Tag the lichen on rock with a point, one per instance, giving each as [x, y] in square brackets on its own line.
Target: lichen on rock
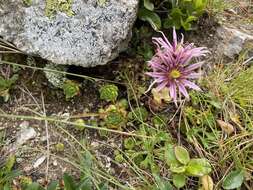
[53, 6]
[69, 32]
[54, 75]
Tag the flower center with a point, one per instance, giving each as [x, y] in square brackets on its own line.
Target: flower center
[175, 74]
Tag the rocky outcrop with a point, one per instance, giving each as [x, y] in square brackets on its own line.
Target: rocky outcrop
[93, 34]
[234, 40]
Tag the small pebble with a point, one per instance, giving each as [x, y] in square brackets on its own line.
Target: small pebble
[39, 161]
[55, 163]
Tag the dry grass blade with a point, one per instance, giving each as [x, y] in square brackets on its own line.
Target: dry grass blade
[8, 47]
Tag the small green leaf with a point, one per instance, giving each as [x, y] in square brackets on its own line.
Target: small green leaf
[34, 186]
[147, 161]
[7, 186]
[182, 155]
[175, 168]
[103, 186]
[10, 163]
[129, 143]
[85, 184]
[148, 5]
[109, 92]
[233, 180]
[179, 180]
[170, 156]
[151, 17]
[198, 167]
[52, 185]
[79, 124]
[87, 160]
[199, 4]
[162, 184]
[139, 113]
[191, 18]
[71, 89]
[69, 182]
[119, 158]
[186, 25]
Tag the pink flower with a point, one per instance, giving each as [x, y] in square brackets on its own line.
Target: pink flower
[172, 65]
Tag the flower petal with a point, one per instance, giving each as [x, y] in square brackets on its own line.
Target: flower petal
[173, 93]
[191, 85]
[193, 66]
[182, 39]
[157, 66]
[156, 74]
[183, 90]
[174, 38]
[193, 76]
[161, 86]
[161, 79]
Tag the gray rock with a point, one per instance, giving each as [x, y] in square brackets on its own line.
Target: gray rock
[39, 161]
[24, 135]
[94, 35]
[55, 78]
[234, 40]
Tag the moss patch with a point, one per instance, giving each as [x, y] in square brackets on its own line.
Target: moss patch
[53, 6]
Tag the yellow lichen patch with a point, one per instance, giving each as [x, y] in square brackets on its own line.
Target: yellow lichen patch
[53, 6]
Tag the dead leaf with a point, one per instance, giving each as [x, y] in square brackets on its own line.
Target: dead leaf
[162, 95]
[227, 127]
[207, 182]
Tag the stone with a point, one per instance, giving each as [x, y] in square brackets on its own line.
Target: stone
[57, 79]
[24, 135]
[24, 124]
[234, 40]
[39, 161]
[90, 34]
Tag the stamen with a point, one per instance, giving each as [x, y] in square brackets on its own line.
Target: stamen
[174, 74]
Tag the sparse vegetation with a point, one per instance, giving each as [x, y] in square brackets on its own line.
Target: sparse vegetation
[122, 132]
[166, 14]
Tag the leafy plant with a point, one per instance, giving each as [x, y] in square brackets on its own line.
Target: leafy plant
[240, 88]
[109, 92]
[7, 174]
[162, 184]
[145, 153]
[71, 89]
[35, 186]
[181, 166]
[184, 12]
[69, 184]
[80, 124]
[234, 179]
[180, 13]
[115, 116]
[5, 86]
[200, 119]
[139, 114]
[151, 17]
[226, 106]
[25, 181]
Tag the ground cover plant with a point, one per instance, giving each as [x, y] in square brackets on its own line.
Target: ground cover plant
[167, 114]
